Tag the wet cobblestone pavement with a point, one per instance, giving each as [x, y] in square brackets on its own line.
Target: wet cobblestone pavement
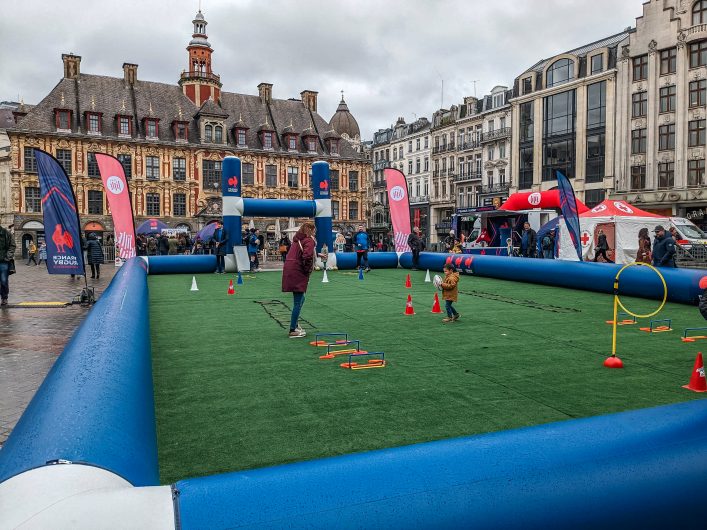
[31, 338]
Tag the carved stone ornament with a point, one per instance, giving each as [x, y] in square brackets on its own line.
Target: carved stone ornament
[681, 7]
[639, 123]
[666, 119]
[652, 45]
[668, 80]
[625, 53]
[666, 157]
[681, 40]
[638, 160]
[639, 87]
[696, 153]
[698, 74]
[698, 113]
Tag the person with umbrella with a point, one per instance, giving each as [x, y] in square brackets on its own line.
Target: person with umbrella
[220, 239]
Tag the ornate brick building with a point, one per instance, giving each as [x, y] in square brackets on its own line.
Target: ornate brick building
[171, 139]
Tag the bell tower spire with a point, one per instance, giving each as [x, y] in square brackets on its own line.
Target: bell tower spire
[198, 81]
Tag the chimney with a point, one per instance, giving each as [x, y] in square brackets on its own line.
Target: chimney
[72, 65]
[130, 73]
[309, 98]
[265, 92]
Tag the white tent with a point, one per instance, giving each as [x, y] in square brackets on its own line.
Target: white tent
[620, 222]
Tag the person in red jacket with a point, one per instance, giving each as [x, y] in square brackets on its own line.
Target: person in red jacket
[295, 274]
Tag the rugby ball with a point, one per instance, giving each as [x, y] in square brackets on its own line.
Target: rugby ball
[437, 281]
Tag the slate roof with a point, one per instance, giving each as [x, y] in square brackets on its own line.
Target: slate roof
[112, 95]
[607, 42]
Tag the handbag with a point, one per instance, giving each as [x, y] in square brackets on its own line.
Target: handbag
[283, 249]
[11, 269]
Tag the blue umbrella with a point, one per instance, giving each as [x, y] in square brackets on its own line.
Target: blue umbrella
[151, 226]
[206, 233]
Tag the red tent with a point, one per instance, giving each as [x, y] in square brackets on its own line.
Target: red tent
[537, 199]
[610, 208]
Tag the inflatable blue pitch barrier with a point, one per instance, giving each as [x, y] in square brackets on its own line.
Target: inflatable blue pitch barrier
[645, 468]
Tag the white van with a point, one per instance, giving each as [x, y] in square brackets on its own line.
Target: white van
[689, 233]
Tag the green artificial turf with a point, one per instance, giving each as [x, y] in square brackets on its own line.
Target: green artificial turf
[232, 392]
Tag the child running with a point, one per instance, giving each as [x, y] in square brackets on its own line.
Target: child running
[450, 292]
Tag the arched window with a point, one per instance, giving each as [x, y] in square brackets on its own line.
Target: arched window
[208, 133]
[560, 72]
[699, 12]
[218, 134]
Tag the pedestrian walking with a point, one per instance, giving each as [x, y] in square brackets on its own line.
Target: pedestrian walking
[602, 248]
[663, 248]
[415, 244]
[7, 263]
[43, 253]
[32, 253]
[295, 274]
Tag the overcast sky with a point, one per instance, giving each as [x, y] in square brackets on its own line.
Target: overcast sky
[389, 56]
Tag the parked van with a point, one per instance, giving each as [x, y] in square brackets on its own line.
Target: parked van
[690, 234]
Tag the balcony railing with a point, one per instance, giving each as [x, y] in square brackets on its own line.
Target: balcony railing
[443, 226]
[467, 176]
[377, 184]
[192, 74]
[468, 145]
[496, 188]
[495, 135]
[379, 225]
[435, 173]
[443, 148]
[381, 164]
[420, 199]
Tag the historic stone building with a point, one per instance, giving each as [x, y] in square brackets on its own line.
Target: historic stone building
[662, 97]
[563, 119]
[442, 160]
[171, 139]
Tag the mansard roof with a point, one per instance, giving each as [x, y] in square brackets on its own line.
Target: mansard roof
[111, 96]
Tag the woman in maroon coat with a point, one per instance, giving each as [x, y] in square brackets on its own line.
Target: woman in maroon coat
[295, 275]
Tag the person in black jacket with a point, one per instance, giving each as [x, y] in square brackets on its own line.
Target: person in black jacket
[163, 244]
[663, 248]
[602, 247]
[528, 241]
[415, 244]
[94, 253]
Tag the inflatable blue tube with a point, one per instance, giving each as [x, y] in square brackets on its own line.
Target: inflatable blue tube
[278, 208]
[683, 284]
[185, 264]
[96, 404]
[639, 469]
[377, 260]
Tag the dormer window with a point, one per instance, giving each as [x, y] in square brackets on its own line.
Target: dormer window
[240, 137]
[208, 133]
[125, 125]
[527, 85]
[561, 71]
[62, 120]
[180, 131]
[292, 143]
[312, 145]
[267, 140]
[334, 147]
[218, 134]
[151, 128]
[93, 122]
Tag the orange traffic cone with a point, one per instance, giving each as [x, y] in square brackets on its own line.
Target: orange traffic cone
[408, 284]
[230, 288]
[697, 381]
[408, 306]
[435, 306]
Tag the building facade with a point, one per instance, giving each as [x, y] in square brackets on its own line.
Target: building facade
[171, 140]
[563, 119]
[443, 161]
[661, 111]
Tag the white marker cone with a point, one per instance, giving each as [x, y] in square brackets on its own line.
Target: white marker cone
[193, 284]
[427, 276]
[325, 279]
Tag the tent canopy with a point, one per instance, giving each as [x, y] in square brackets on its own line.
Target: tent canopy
[611, 208]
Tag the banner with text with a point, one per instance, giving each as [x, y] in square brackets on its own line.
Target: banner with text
[61, 220]
[399, 207]
[116, 187]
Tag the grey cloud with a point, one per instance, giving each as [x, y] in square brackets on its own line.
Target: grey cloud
[387, 55]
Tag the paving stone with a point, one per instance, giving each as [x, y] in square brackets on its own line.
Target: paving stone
[32, 338]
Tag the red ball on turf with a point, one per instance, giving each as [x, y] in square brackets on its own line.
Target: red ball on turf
[703, 282]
